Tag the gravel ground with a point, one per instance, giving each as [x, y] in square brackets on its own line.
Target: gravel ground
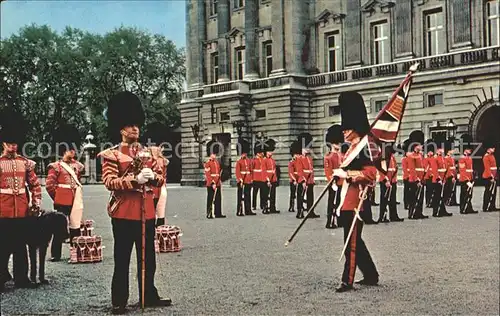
[239, 266]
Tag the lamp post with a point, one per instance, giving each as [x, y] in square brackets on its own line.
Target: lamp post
[198, 138]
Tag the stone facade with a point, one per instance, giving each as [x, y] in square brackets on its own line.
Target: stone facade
[321, 48]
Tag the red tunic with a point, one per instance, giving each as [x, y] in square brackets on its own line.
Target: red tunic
[15, 173]
[404, 166]
[490, 166]
[259, 171]
[162, 164]
[244, 170]
[271, 169]
[427, 167]
[212, 172]
[392, 172]
[450, 165]
[331, 162]
[415, 167]
[441, 169]
[122, 183]
[359, 178]
[292, 170]
[306, 169]
[60, 185]
[465, 168]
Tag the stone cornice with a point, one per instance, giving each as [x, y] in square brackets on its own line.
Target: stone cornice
[326, 15]
[383, 5]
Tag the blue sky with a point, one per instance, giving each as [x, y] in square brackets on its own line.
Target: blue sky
[166, 17]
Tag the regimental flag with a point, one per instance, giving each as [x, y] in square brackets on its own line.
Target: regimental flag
[385, 128]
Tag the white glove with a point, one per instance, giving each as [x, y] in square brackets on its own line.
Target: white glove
[145, 175]
[340, 173]
[469, 184]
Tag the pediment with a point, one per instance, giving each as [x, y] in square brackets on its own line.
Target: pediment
[372, 5]
[235, 31]
[327, 15]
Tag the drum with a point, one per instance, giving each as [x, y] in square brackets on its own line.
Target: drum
[87, 227]
[167, 239]
[86, 249]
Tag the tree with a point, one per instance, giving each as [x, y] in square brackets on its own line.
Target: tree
[69, 77]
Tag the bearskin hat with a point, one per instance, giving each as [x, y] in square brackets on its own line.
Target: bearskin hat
[334, 135]
[66, 137]
[270, 145]
[124, 109]
[243, 147]
[13, 127]
[353, 113]
[295, 148]
[214, 147]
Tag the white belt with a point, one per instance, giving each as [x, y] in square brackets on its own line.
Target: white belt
[245, 172]
[65, 186]
[419, 169]
[295, 173]
[391, 169]
[441, 170]
[469, 170]
[270, 171]
[214, 174]
[493, 168]
[452, 168]
[307, 171]
[258, 170]
[12, 192]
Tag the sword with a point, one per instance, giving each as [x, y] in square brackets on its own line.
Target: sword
[469, 195]
[493, 185]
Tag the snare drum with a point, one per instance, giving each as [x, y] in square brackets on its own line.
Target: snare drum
[168, 239]
[86, 249]
[87, 227]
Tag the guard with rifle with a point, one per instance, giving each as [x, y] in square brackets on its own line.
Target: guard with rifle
[213, 182]
[388, 192]
[293, 174]
[244, 179]
[332, 161]
[429, 188]
[360, 174]
[417, 171]
[272, 178]
[259, 174]
[129, 171]
[306, 177]
[466, 176]
[438, 178]
[490, 174]
[406, 176]
[451, 181]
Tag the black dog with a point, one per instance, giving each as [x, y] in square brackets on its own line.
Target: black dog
[40, 230]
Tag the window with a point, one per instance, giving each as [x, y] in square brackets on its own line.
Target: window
[434, 99]
[213, 7]
[333, 51]
[237, 4]
[333, 110]
[379, 105]
[493, 23]
[240, 63]
[213, 113]
[224, 116]
[260, 114]
[434, 33]
[215, 67]
[380, 43]
[268, 61]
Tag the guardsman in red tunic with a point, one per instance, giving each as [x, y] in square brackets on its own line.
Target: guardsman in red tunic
[63, 184]
[244, 180]
[451, 174]
[17, 177]
[388, 192]
[259, 173]
[332, 161]
[490, 174]
[438, 178]
[129, 171]
[272, 179]
[359, 174]
[213, 181]
[466, 177]
[306, 180]
[293, 174]
[406, 183]
[416, 173]
[428, 178]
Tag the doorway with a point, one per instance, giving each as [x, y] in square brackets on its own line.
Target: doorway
[225, 155]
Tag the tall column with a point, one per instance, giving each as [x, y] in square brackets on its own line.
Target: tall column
[297, 43]
[251, 45]
[277, 32]
[223, 23]
[353, 33]
[404, 38]
[195, 35]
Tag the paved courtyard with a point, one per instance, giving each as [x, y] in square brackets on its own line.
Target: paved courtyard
[239, 265]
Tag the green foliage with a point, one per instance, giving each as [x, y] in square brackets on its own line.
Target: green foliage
[69, 77]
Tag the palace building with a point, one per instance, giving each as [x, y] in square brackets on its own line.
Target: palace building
[274, 68]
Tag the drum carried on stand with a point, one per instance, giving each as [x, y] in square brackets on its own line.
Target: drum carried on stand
[86, 247]
[167, 239]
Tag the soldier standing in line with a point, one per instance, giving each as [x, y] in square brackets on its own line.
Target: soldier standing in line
[438, 178]
[490, 176]
[17, 177]
[259, 174]
[272, 179]
[63, 181]
[244, 179]
[428, 178]
[466, 176]
[129, 171]
[306, 180]
[406, 175]
[293, 174]
[416, 173]
[332, 161]
[451, 174]
[388, 192]
[213, 181]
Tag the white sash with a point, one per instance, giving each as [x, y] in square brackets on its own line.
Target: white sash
[343, 193]
[75, 217]
[162, 202]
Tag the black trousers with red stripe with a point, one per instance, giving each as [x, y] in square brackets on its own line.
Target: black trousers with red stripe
[356, 254]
